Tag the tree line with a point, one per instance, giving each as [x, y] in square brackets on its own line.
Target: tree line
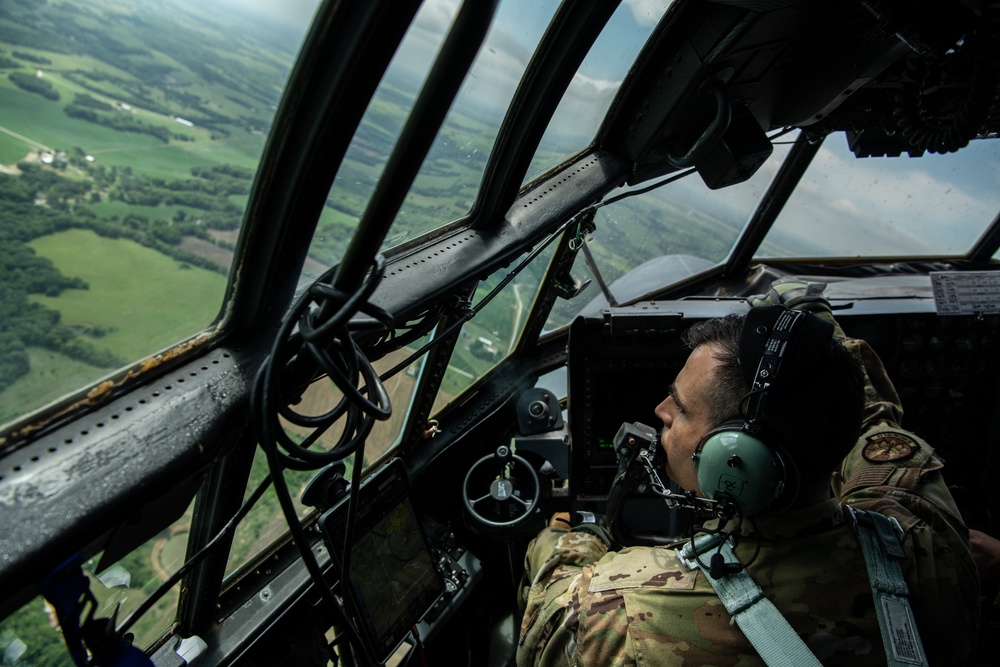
[24, 323]
[89, 109]
[39, 201]
[34, 84]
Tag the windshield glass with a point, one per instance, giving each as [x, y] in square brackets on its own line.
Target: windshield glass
[491, 336]
[129, 137]
[932, 206]
[588, 97]
[654, 239]
[448, 182]
[449, 178]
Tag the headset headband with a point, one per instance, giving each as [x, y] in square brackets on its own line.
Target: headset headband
[775, 348]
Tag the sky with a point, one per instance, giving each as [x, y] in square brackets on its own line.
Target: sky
[926, 205]
[517, 27]
[935, 204]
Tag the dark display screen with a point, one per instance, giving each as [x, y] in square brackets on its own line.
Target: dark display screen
[619, 394]
[620, 366]
[393, 580]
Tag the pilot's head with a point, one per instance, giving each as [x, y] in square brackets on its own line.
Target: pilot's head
[810, 415]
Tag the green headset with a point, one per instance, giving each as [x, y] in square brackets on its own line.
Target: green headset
[740, 458]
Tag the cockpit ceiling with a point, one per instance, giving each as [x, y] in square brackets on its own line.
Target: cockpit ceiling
[898, 77]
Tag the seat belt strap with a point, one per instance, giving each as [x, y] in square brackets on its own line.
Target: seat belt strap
[771, 634]
[880, 537]
[756, 616]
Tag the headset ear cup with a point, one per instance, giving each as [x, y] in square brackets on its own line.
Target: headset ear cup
[736, 463]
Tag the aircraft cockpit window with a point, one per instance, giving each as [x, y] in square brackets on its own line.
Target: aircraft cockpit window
[582, 109]
[930, 206]
[449, 179]
[375, 137]
[265, 524]
[645, 243]
[31, 635]
[129, 138]
[492, 335]
[448, 182]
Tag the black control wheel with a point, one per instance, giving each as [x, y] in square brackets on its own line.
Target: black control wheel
[501, 490]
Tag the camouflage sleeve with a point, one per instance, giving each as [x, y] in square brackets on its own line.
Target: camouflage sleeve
[887, 457]
[555, 558]
[885, 454]
[882, 404]
[895, 472]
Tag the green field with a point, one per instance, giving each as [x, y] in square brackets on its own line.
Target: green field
[42, 121]
[159, 303]
[173, 160]
[148, 300]
[52, 376]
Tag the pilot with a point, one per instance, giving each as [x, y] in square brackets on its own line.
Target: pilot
[830, 418]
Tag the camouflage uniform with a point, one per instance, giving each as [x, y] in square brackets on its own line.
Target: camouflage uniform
[590, 606]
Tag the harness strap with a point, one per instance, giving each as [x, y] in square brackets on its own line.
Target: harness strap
[879, 536]
[770, 633]
[755, 615]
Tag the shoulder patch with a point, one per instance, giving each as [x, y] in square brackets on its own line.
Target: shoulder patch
[889, 446]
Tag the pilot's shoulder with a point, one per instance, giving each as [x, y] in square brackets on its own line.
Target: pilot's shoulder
[641, 567]
[886, 455]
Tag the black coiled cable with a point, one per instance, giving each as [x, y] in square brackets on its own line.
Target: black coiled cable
[315, 336]
[322, 341]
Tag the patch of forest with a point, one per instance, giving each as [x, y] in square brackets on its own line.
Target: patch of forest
[40, 201]
[7, 62]
[34, 84]
[128, 91]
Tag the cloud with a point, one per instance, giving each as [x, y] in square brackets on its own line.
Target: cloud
[832, 214]
[581, 110]
[931, 205]
[647, 12]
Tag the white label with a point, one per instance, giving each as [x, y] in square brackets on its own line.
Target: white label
[902, 634]
[966, 292]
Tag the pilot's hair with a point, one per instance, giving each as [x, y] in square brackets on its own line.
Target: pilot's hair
[814, 411]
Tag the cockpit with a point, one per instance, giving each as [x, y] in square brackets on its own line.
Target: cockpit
[312, 313]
